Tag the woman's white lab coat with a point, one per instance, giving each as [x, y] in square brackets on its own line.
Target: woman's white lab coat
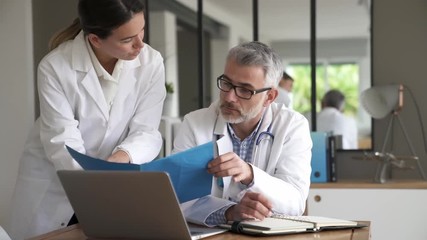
[74, 112]
[281, 169]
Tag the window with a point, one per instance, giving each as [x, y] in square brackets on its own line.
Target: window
[342, 76]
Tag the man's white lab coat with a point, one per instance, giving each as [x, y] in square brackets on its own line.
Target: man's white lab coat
[281, 168]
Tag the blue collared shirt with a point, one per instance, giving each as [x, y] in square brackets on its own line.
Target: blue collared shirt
[243, 148]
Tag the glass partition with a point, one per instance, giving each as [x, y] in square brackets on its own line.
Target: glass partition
[343, 57]
[343, 52]
[285, 26]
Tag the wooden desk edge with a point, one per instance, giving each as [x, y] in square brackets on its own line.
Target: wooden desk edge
[56, 232]
[76, 232]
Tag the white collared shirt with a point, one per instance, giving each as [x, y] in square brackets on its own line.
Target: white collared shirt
[109, 83]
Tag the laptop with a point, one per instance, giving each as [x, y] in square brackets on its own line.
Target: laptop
[128, 204]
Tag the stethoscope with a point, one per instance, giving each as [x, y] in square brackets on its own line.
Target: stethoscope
[266, 135]
[263, 144]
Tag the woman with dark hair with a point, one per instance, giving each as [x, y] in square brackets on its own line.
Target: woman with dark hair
[101, 91]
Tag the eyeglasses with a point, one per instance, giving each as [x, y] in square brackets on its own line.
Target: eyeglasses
[241, 92]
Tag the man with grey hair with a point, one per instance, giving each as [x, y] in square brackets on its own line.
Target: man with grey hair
[262, 162]
[332, 119]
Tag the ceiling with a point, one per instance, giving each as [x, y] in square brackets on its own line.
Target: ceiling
[290, 19]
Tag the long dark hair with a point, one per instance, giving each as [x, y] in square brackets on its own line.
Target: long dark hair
[99, 17]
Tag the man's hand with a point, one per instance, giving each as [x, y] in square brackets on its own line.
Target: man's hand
[251, 206]
[230, 164]
[119, 157]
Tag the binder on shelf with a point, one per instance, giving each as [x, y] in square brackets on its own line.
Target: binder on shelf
[323, 159]
[331, 161]
[319, 157]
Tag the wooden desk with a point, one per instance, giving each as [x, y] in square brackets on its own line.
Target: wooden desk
[74, 232]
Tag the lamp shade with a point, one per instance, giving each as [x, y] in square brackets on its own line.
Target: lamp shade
[379, 101]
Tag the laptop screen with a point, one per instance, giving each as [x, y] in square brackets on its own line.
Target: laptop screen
[125, 204]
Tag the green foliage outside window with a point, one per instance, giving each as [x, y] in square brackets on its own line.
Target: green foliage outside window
[343, 77]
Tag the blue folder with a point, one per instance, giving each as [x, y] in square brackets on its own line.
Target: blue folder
[187, 169]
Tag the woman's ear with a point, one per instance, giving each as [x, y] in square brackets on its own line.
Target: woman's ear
[94, 40]
[271, 96]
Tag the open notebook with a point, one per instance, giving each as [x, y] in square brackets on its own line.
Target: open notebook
[280, 224]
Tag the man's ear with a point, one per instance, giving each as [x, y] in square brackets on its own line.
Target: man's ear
[94, 40]
[271, 96]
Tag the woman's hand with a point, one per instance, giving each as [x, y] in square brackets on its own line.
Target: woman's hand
[119, 157]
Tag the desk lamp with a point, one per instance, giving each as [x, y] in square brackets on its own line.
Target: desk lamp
[381, 102]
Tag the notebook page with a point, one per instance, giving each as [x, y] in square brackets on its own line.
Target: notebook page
[319, 221]
[276, 224]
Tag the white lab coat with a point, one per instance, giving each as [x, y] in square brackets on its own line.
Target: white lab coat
[282, 175]
[332, 120]
[284, 97]
[74, 112]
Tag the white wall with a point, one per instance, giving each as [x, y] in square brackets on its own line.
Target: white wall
[400, 56]
[22, 40]
[163, 38]
[16, 92]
